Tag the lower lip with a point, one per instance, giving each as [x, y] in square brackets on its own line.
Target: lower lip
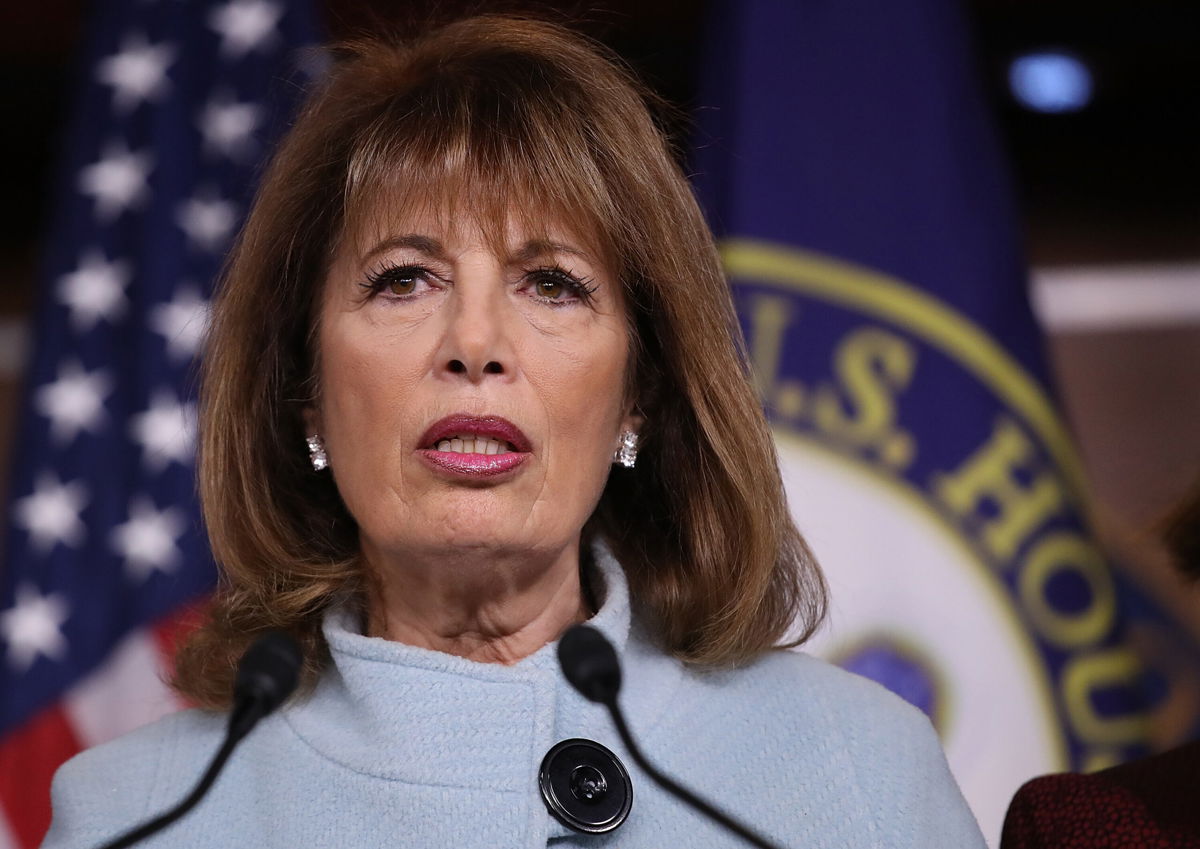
[473, 465]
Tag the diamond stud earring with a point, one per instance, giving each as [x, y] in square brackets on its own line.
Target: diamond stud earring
[316, 452]
[626, 453]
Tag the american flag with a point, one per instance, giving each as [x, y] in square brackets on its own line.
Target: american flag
[177, 103]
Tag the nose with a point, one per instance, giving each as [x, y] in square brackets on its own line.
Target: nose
[476, 340]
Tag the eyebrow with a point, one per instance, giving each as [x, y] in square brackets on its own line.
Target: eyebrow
[535, 248]
[430, 246]
[425, 244]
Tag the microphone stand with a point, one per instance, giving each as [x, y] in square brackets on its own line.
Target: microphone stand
[590, 664]
[676, 789]
[165, 819]
[266, 676]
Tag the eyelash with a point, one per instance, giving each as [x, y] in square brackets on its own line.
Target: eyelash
[582, 288]
[380, 278]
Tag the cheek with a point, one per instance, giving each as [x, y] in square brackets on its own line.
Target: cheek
[368, 381]
[582, 389]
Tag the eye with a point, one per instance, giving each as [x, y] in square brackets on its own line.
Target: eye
[550, 287]
[558, 286]
[398, 280]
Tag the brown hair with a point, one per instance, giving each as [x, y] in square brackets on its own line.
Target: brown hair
[489, 112]
[1181, 532]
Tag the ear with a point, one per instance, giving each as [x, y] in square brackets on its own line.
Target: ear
[312, 420]
[633, 421]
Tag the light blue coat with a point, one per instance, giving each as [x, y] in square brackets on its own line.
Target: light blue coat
[405, 747]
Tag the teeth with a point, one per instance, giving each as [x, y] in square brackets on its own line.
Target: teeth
[471, 444]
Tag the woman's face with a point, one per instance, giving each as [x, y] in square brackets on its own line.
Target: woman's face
[469, 399]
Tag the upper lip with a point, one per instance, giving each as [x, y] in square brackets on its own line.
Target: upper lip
[492, 427]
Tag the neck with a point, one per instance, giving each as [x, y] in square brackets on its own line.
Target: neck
[488, 606]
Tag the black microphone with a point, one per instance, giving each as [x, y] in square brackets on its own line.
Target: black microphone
[590, 664]
[266, 676]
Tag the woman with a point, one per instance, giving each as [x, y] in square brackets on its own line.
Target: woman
[1149, 802]
[473, 281]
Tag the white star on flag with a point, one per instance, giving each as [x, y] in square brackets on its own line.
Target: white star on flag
[51, 513]
[147, 540]
[117, 181]
[245, 25]
[182, 322]
[74, 401]
[207, 223]
[166, 431]
[228, 127]
[95, 290]
[33, 627]
[137, 73]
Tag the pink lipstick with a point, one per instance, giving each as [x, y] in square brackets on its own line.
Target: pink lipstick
[474, 446]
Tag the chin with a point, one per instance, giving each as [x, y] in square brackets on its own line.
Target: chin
[472, 534]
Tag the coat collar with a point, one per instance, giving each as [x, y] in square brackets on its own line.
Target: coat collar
[408, 714]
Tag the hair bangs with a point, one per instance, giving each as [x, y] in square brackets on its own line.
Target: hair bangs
[463, 149]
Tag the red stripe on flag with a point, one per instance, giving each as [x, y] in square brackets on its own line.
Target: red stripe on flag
[170, 631]
[28, 758]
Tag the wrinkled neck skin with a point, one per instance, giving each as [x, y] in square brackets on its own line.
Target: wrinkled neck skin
[489, 606]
